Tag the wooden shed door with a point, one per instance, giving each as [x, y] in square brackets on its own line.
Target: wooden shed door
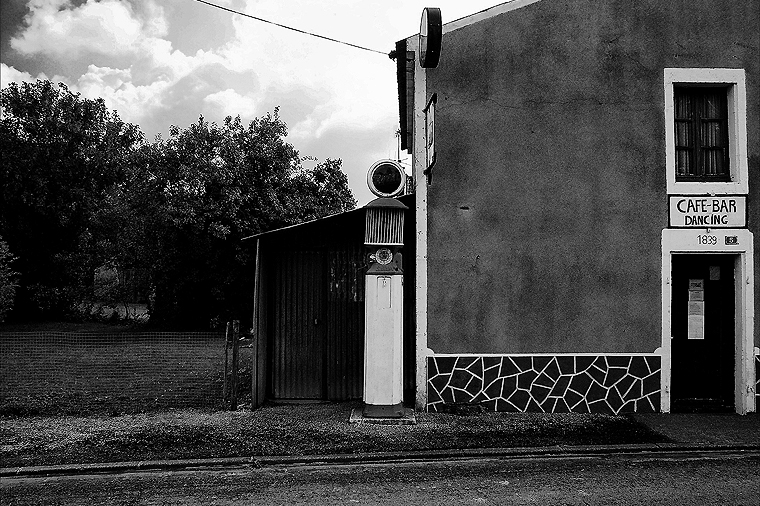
[702, 352]
[299, 327]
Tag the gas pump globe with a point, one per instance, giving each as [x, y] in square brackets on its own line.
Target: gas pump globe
[384, 304]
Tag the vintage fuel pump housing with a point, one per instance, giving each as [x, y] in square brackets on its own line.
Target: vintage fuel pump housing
[384, 309]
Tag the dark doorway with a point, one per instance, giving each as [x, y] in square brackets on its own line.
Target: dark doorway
[702, 325]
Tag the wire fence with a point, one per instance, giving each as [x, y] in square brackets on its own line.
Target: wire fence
[90, 372]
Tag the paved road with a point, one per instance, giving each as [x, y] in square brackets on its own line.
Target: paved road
[722, 479]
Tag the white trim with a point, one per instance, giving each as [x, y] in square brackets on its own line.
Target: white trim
[485, 14]
[419, 162]
[476, 355]
[685, 241]
[737, 129]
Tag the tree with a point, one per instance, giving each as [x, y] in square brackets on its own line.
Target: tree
[61, 156]
[82, 190]
[317, 192]
[187, 202]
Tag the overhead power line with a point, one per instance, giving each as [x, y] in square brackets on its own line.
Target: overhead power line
[291, 28]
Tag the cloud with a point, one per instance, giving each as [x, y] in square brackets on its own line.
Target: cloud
[117, 88]
[341, 85]
[165, 63]
[109, 33]
[357, 147]
[229, 103]
[109, 27]
[129, 62]
[11, 75]
[198, 27]
[104, 78]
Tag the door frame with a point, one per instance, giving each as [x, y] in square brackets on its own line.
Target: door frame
[678, 241]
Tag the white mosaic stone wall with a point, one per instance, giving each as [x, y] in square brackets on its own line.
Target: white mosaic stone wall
[757, 383]
[546, 383]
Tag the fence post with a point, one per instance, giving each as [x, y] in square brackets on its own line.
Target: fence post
[235, 356]
[226, 359]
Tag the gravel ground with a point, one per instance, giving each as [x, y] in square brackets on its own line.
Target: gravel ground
[705, 428]
[293, 430]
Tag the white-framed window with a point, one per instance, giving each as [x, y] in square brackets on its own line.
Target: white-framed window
[706, 131]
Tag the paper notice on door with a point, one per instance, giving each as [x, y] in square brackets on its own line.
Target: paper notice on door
[696, 328]
[696, 284]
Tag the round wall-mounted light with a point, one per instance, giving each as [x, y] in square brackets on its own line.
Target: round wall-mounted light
[386, 178]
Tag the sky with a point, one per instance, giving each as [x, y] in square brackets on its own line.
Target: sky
[166, 62]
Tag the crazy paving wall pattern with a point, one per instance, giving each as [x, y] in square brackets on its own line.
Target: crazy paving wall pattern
[757, 383]
[546, 383]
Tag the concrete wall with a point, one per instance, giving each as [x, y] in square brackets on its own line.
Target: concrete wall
[548, 197]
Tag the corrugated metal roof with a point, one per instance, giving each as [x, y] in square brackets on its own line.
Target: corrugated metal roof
[324, 221]
[317, 221]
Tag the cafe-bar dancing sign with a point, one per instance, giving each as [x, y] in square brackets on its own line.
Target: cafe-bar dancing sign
[704, 211]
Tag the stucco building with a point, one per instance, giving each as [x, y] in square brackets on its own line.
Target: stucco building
[587, 207]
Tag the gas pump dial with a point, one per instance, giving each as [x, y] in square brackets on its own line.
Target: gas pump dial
[383, 256]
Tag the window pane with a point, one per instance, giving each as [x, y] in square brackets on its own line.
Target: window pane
[684, 107]
[683, 158]
[713, 162]
[712, 134]
[683, 134]
[713, 104]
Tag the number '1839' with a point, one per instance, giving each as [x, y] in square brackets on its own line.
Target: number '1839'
[707, 239]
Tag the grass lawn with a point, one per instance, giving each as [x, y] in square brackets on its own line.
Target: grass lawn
[54, 372]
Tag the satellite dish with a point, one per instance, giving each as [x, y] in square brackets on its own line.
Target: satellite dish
[431, 31]
[386, 178]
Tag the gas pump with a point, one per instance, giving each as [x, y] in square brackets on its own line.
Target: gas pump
[384, 294]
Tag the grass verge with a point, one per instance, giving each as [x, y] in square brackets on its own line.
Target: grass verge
[293, 430]
[88, 373]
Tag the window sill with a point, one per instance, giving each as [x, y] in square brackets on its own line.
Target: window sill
[707, 187]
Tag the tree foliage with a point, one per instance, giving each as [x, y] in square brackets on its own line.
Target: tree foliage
[189, 200]
[82, 190]
[8, 280]
[61, 154]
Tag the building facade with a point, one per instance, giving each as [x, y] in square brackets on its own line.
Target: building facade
[587, 207]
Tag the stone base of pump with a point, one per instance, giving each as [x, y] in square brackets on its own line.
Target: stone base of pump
[383, 415]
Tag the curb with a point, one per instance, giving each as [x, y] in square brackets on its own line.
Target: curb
[379, 457]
